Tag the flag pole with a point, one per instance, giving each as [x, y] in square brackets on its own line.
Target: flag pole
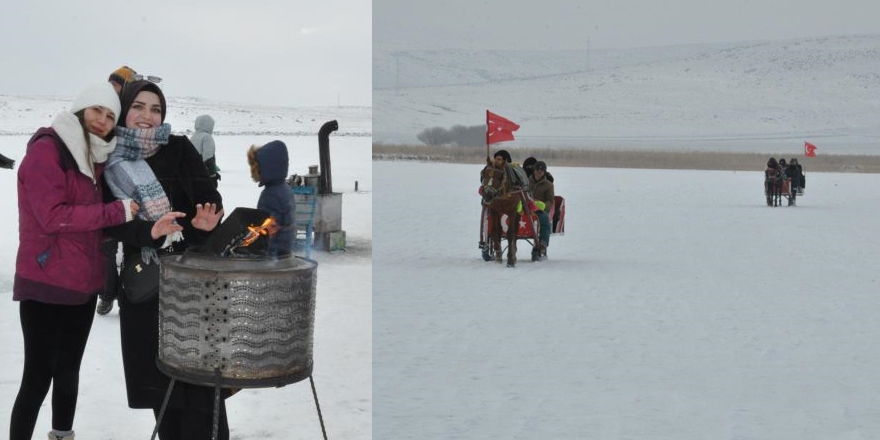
[487, 136]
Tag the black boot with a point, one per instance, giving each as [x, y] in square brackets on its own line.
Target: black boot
[104, 307]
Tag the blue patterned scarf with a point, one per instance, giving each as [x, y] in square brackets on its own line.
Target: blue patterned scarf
[130, 177]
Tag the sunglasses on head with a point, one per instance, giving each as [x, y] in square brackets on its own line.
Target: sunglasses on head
[151, 78]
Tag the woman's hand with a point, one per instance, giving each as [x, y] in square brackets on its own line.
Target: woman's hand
[166, 225]
[134, 209]
[206, 217]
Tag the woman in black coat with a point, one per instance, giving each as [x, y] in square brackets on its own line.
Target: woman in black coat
[183, 183]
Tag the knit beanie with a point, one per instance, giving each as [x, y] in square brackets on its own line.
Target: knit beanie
[130, 92]
[122, 75]
[99, 94]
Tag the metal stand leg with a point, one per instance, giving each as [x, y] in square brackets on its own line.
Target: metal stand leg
[318, 406]
[216, 402]
[162, 409]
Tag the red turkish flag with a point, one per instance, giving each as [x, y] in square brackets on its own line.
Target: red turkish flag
[500, 129]
[809, 149]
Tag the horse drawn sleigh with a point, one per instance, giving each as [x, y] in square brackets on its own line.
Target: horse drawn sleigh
[505, 202]
[775, 191]
[783, 182]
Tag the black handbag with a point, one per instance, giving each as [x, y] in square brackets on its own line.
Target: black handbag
[140, 281]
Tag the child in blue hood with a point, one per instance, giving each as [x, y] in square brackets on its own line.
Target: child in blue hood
[269, 168]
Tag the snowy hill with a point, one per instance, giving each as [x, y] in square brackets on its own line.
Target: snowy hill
[21, 115]
[752, 96]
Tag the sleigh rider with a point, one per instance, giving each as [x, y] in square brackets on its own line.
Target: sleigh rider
[514, 175]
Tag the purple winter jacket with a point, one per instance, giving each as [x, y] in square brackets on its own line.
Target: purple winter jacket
[60, 217]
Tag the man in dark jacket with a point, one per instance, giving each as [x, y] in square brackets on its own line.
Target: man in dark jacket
[544, 196]
[529, 165]
[771, 182]
[500, 160]
[793, 173]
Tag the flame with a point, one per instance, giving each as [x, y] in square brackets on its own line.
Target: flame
[269, 227]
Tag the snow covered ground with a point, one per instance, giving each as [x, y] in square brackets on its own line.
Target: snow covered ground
[677, 306]
[343, 339]
[20, 113]
[740, 96]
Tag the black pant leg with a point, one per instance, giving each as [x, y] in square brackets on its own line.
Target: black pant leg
[76, 326]
[40, 330]
[111, 271]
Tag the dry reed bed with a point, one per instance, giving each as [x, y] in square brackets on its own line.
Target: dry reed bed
[683, 160]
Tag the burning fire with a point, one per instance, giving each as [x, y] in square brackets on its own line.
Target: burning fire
[269, 227]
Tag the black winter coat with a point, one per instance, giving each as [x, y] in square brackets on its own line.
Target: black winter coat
[183, 176]
[794, 174]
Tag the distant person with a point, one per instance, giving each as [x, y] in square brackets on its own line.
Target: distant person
[121, 76]
[544, 197]
[269, 165]
[203, 140]
[499, 160]
[794, 174]
[58, 268]
[772, 181]
[803, 180]
[529, 165]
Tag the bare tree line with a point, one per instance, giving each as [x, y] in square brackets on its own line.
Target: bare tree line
[691, 160]
[458, 135]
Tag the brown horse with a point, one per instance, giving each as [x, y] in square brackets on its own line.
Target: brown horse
[501, 197]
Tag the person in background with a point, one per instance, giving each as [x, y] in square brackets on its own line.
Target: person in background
[203, 140]
[803, 179]
[529, 165]
[794, 174]
[162, 171]
[109, 246]
[58, 268]
[772, 181]
[544, 197]
[121, 76]
[501, 158]
[268, 166]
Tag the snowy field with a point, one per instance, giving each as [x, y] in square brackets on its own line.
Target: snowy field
[677, 306]
[748, 96]
[19, 114]
[343, 339]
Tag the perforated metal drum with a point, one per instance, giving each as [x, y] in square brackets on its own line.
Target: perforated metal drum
[239, 322]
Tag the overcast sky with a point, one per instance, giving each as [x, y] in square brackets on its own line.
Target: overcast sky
[568, 24]
[275, 52]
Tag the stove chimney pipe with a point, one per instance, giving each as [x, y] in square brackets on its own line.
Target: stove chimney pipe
[326, 182]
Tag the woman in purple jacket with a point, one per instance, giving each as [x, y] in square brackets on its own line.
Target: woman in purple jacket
[59, 268]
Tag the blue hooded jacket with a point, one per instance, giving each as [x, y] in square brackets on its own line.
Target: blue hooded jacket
[276, 198]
